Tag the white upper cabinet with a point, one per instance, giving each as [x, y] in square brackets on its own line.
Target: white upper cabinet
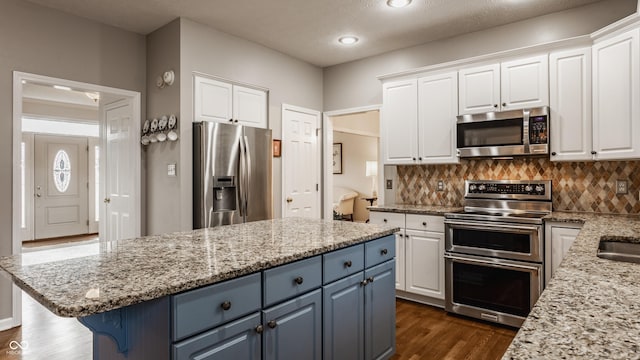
[524, 83]
[213, 100]
[418, 120]
[510, 85]
[437, 110]
[250, 106]
[223, 102]
[479, 89]
[400, 122]
[570, 104]
[616, 97]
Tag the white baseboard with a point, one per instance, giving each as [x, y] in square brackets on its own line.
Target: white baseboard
[6, 324]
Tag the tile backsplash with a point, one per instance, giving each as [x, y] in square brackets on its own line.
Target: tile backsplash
[576, 186]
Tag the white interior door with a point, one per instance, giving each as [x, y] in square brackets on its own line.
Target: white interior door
[301, 162]
[119, 178]
[27, 195]
[60, 186]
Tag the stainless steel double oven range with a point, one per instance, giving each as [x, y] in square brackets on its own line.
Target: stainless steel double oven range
[494, 250]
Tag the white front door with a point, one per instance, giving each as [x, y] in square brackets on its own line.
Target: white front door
[60, 186]
[301, 163]
[119, 207]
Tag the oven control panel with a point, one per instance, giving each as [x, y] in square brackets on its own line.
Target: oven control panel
[515, 188]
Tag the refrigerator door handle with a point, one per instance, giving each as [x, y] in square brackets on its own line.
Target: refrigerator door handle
[248, 174]
[241, 176]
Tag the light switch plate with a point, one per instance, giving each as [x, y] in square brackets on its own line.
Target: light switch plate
[389, 184]
[440, 185]
[171, 170]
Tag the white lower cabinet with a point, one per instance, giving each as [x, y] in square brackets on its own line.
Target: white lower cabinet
[425, 263]
[419, 252]
[559, 237]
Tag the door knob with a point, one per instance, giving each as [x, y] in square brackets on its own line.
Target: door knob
[289, 199]
[38, 195]
[107, 200]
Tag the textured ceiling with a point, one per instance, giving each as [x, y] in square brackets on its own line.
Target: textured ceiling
[308, 29]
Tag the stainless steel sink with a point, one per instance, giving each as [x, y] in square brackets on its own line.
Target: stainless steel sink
[617, 250]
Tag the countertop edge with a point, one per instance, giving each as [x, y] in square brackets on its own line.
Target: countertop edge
[132, 299]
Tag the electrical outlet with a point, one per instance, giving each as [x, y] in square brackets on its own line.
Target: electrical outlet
[389, 184]
[621, 187]
[440, 185]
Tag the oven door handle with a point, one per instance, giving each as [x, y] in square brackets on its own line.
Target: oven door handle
[474, 226]
[490, 263]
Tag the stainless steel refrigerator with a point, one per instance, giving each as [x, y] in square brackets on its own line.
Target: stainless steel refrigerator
[231, 174]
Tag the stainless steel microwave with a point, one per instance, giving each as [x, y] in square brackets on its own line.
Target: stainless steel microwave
[504, 133]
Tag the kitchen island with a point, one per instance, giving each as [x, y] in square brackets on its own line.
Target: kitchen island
[591, 307]
[156, 296]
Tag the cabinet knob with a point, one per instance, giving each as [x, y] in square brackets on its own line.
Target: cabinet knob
[230, 120]
[420, 158]
[236, 120]
[289, 199]
[298, 280]
[348, 263]
[384, 220]
[259, 329]
[414, 159]
[364, 282]
[593, 152]
[383, 252]
[400, 235]
[226, 305]
[424, 223]
[370, 279]
[504, 104]
[495, 106]
[272, 324]
[553, 153]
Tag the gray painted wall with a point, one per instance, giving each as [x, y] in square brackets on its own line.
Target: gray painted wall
[209, 51]
[355, 83]
[163, 53]
[47, 42]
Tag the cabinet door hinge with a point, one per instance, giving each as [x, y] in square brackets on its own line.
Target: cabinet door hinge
[317, 187]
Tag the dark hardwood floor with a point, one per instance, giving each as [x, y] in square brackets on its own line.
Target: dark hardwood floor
[44, 335]
[425, 332]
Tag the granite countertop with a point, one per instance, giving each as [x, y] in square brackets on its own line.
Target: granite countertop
[591, 307]
[416, 209]
[127, 272]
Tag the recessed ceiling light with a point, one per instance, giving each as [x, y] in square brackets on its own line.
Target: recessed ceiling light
[398, 3]
[348, 40]
[59, 87]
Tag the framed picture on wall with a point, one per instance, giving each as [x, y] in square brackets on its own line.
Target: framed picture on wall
[277, 148]
[337, 158]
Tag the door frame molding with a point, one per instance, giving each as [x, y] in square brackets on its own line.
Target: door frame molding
[18, 77]
[327, 155]
[317, 114]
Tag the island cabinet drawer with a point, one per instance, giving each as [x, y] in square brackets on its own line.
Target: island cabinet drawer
[386, 218]
[197, 310]
[287, 281]
[235, 340]
[342, 263]
[379, 251]
[425, 222]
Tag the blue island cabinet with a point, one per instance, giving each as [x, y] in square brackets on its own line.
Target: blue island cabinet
[359, 310]
[339, 305]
